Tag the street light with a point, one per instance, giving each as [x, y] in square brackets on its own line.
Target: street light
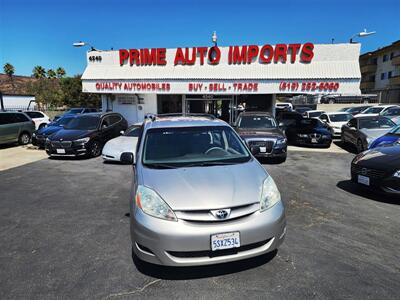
[214, 38]
[362, 34]
[82, 44]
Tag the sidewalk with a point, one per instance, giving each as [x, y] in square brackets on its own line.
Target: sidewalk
[15, 156]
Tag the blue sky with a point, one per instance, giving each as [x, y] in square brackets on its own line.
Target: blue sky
[41, 32]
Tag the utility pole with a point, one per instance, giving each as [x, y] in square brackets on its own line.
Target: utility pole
[1, 101]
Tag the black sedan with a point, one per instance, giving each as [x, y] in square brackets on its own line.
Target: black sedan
[378, 169]
[86, 134]
[262, 135]
[309, 132]
[39, 137]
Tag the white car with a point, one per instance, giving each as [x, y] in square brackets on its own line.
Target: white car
[40, 118]
[313, 113]
[113, 149]
[336, 120]
[377, 110]
[284, 105]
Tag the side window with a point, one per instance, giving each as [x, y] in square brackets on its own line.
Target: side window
[19, 118]
[352, 123]
[233, 143]
[34, 114]
[105, 122]
[324, 118]
[6, 119]
[385, 123]
[114, 119]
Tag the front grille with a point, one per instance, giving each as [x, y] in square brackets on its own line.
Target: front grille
[315, 135]
[209, 253]
[205, 216]
[63, 144]
[372, 173]
[255, 145]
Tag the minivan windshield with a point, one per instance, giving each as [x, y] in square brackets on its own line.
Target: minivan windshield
[83, 123]
[193, 146]
[259, 122]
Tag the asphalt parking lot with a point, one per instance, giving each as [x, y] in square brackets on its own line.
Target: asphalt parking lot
[64, 233]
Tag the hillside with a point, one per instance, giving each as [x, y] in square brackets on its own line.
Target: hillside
[18, 84]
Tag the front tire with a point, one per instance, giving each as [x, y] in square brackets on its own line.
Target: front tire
[95, 149]
[24, 138]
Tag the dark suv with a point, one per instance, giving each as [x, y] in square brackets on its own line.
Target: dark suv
[86, 134]
[262, 135]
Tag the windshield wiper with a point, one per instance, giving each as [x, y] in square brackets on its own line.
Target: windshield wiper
[209, 163]
[160, 166]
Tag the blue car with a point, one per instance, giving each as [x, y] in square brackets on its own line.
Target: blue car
[39, 136]
[391, 137]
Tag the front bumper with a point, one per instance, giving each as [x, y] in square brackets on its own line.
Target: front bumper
[321, 142]
[187, 243]
[38, 141]
[387, 184]
[276, 153]
[70, 148]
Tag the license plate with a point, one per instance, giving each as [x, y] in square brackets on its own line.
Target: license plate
[313, 140]
[363, 180]
[223, 241]
[263, 149]
[60, 151]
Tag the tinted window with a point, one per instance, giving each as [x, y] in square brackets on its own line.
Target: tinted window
[21, 118]
[340, 117]
[257, 122]
[64, 120]
[324, 118]
[373, 110]
[83, 123]
[132, 131]
[393, 111]
[34, 114]
[314, 114]
[352, 123]
[185, 146]
[74, 111]
[6, 119]
[114, 119]
[313, 123]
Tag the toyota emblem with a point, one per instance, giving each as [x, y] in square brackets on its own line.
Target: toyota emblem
[221, 214]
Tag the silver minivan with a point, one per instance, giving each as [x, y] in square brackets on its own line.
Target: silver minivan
[198, 195]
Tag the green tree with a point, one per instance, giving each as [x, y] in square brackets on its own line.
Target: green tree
[73, 95]
[60, 72]
[47, 92]
[9, 70]
[51, 74]
[39, 72]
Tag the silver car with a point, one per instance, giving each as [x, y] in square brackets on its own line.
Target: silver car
[198, 195]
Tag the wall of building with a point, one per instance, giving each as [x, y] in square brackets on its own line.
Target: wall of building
[384, 67]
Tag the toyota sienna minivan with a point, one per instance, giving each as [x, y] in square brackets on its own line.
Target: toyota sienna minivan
[199, 197]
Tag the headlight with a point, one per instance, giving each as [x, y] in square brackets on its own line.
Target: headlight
[302, 135]
[152, 204]
[270, 194]
[397, 174]
[84, 140]
[326, 136]
[281, 141]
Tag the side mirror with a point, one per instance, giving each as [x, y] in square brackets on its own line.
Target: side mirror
[127, 158]
[122, 132]
[281, 124]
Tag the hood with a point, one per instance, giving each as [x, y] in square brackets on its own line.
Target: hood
[366, 115]
[122, 144]
[70, 135]
[203, 188]
[386, 157]
[48, 130]
[375, 132]
[270, 132]
[337, 124]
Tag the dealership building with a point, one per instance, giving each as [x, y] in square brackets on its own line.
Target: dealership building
[217, 80]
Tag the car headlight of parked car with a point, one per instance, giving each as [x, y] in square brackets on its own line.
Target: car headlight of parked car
[302, 135]
[281, 141]
[270, 194]
[152, 204]
[397, 174]
[326, 136]
[82, 141]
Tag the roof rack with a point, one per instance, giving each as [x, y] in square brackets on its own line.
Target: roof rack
[153, 117]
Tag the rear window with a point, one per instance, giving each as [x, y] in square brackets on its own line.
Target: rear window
[34, 114]
[315, 114]
[376, 123]
[20, 118]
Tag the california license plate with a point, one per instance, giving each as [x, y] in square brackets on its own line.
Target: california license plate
[60, 151]
[223, 241]
[263, 149]
[314, 141]
[363, 180]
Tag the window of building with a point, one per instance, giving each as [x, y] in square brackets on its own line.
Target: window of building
[390, 74]
[383, 76]
[385, 58]
[391, 55]
[375, 61]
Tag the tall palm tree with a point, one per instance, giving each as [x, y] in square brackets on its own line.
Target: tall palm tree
[9, 70]
[51, 74]
[60, 72]
[38, 72]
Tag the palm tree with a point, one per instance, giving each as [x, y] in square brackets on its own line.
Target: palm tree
[9, 70]
[60, 72]
[51, 74]
[38, 72]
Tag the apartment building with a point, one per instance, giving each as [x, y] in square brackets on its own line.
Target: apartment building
[380, 73]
